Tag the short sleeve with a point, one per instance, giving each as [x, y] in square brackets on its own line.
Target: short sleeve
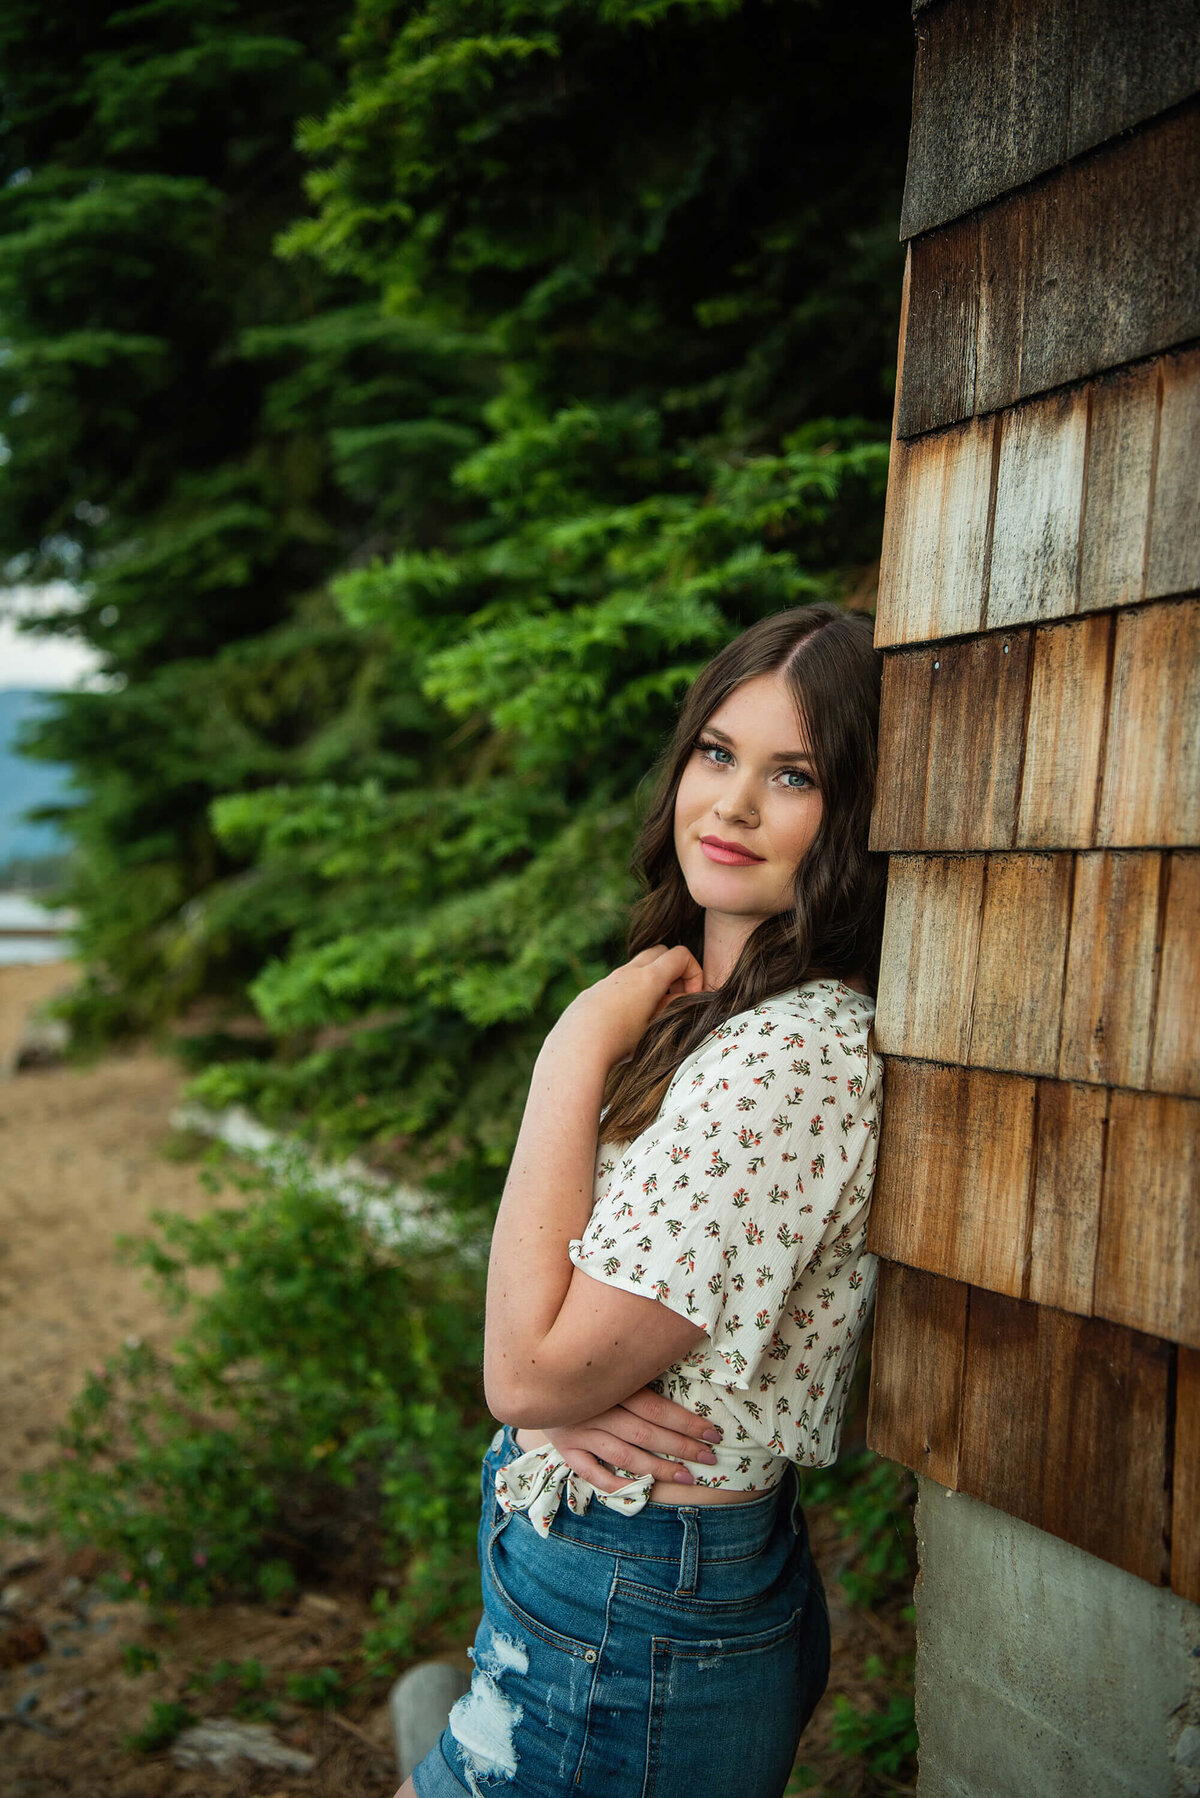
[726, 1200]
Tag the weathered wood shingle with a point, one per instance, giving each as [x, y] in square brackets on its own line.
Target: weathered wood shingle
[1093, 267]
[1004, 91]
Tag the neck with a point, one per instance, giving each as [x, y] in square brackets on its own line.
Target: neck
[724, 939]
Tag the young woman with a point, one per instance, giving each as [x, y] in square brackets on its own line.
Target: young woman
[687, 1205]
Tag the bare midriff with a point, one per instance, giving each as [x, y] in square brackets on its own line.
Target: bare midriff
[663, 1492]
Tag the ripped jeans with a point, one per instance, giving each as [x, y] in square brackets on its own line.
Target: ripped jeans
[677, 1653]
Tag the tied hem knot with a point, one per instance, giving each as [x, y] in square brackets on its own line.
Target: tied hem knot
[537, 1481]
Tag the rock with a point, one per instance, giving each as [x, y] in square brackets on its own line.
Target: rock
[420, 1703]
[1187, 1748]
[44, 1042]
[220, 1741]
[21, 1643]
[317, 1602]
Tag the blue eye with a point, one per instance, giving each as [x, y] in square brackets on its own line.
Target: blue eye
[796, 774]
[714, 751]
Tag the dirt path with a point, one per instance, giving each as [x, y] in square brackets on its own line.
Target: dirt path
[81, 1161]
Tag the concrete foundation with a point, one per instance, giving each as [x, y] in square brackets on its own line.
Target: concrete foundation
[1043, 1672]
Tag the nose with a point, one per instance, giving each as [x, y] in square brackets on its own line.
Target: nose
[735, 805]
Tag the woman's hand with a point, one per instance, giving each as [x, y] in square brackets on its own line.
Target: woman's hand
[633, 1436]
[611, 1017]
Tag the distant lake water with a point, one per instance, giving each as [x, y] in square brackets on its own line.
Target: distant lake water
[32, 932]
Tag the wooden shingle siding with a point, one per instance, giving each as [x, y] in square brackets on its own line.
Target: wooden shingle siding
[965, 1214]
[930, 956]
[1078, 274]
[936, 534]
[1075, 735]
[1003, 92]
[1123, 428]
[1107, 1011]
[1173, 554]
[1148, 1251]
[1064, 734]
[977, 695]
[1063, 1421]
[1039, 499]
[1175, 1058]
[1068, 1194]
[1077, 532]
[1150, 784]
[919, 1344]
[1023, 935]
[1072, 1130]
[1076, 967]
[1036, 1208]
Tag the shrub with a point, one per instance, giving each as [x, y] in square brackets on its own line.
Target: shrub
[321, 1409]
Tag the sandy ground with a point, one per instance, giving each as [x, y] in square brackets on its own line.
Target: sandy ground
[81, 1161]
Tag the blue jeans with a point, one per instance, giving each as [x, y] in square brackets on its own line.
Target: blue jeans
[677, 1653]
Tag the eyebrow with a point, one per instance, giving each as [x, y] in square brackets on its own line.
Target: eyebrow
[781, 755]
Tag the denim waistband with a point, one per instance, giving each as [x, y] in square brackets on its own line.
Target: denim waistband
[721, 1532]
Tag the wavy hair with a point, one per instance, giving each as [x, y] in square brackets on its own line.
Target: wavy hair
[835, 922]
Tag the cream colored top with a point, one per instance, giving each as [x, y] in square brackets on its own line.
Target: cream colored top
[744, 1208]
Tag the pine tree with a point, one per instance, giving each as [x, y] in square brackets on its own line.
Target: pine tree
[196, 436]
[677, 224]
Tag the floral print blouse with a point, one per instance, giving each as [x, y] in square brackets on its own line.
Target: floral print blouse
[744, 1208]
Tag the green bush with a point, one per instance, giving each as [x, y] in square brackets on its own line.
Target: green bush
[321, 1410]
[164, 1723]
[871, 1501]
[885, 1741]
[323, 1689]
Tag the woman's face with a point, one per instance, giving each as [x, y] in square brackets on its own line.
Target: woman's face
[748, 806]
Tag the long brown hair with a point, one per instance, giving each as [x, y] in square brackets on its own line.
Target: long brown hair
[835, 922]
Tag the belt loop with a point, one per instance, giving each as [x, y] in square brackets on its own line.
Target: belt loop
[797, 1507]
[689, 1554]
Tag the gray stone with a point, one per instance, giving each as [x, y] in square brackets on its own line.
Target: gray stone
[1187, 1748]
[44, 1042]
[420, 1703]
[219, 1742]
[1042, 1670]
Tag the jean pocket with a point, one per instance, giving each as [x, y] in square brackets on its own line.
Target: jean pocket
[531, 1580]
[726, 1714]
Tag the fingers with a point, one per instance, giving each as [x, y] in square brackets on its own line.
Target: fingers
[655, 1439]
[691, 980]
[587, 1466]
[633, 1461]
[673, 964]
[679, 964]
[654, 1409]
[621, 1432]
[679, 972]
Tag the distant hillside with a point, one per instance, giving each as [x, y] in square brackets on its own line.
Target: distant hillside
[24, 783]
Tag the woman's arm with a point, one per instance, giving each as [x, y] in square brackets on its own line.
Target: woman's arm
[559, 1346]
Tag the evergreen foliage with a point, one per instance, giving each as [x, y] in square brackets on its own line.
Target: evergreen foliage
[188, 439]
[402, 542]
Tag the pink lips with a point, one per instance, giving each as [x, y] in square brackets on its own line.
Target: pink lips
[732, 855]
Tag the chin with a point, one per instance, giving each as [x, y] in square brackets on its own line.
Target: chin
[711, 892]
